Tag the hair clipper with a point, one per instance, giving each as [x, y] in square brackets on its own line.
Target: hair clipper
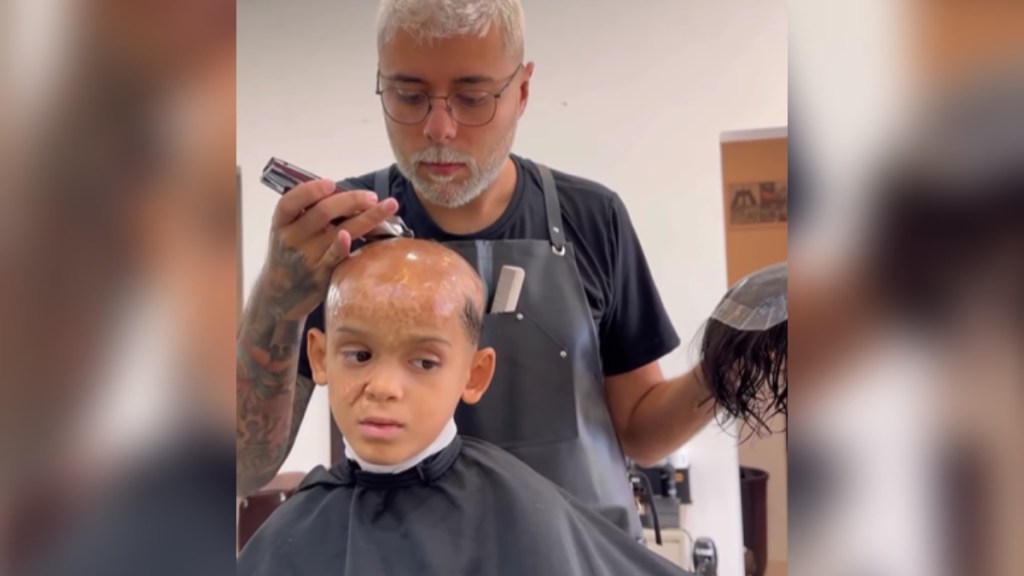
[282, 176]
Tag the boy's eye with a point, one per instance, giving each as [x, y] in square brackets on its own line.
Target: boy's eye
[424, 364]
[357, 356]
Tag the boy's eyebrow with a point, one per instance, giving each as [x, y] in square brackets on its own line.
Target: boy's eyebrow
[421, 338]
[350, 330]
[431, 339]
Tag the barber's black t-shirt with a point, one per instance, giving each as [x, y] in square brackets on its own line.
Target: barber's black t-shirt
[631, 321]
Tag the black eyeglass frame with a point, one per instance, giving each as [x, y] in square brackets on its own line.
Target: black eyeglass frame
[447, 103]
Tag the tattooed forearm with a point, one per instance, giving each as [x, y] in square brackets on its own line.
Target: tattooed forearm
[270, 400]
[267, 362]
[288, 283]
[264, 406]
[303, 392]
[259, 456]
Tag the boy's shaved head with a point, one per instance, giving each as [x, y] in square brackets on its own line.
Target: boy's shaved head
[401, 346]
[403, 272]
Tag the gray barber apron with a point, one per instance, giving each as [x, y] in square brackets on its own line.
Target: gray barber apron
[546, 403]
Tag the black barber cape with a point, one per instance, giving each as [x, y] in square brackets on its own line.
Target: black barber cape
[471, 509]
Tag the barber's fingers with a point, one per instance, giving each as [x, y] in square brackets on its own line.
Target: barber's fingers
[339, 249]
[298, 200]
[359, 226]
[353, 228]
[340, 205]
[316, 246]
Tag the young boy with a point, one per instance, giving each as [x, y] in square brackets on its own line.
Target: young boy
[401, 349]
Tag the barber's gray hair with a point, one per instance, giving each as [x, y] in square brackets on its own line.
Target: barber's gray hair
[428, 20]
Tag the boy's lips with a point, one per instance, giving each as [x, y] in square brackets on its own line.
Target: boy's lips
[380, 428]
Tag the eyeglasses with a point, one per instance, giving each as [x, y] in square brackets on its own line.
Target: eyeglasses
[467, 107]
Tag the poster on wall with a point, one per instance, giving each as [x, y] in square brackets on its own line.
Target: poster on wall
[758, 203]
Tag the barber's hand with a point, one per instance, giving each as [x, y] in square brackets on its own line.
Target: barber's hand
[305, 247]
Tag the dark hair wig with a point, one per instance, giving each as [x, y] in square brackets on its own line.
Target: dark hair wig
[745, 372]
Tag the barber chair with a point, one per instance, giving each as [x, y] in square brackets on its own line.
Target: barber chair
[253, 510]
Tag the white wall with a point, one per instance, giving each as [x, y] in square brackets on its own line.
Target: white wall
[635, 97]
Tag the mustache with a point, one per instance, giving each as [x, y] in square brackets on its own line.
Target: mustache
[442, 155]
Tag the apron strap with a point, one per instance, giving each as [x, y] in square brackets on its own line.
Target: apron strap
[382, 183]
[555, 230]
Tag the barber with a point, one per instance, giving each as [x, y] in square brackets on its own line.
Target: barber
[578, 386]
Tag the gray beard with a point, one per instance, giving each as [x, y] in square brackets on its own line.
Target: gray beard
[440, 190]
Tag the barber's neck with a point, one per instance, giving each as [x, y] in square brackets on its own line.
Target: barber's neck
[483, 211]
[442, 441]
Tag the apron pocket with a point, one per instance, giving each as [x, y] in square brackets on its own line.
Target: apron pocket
[532, 398]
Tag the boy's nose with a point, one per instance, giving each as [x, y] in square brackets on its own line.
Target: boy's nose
[384, 386]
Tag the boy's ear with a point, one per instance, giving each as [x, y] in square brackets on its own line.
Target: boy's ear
[316, 349]
[480, 374]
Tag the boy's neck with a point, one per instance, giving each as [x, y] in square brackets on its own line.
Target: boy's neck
[442, 441]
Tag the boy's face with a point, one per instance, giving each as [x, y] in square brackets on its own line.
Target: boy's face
[397, 355]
